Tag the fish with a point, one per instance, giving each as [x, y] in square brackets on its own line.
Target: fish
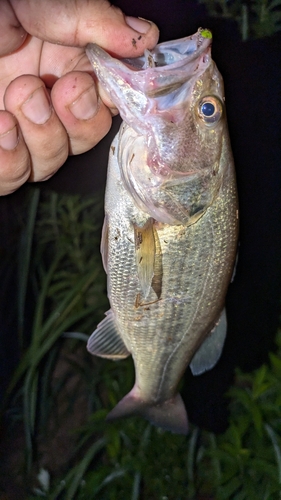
[170, 231]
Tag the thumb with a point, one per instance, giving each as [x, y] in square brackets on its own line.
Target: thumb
[78, 22]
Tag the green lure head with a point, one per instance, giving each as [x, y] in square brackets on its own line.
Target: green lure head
[206, 33]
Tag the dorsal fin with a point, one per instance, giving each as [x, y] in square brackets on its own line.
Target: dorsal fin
[105, 341]
[210, 351]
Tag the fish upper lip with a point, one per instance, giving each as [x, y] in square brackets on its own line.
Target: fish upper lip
[171, 55]
[181, 60]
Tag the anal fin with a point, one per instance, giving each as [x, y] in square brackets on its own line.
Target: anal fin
[210, 351]
[106, 342]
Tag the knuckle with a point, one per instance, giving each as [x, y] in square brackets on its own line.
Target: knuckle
[46, 164]
[14, 171]
[90, 134]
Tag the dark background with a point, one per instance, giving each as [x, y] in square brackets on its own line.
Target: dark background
[251, 72]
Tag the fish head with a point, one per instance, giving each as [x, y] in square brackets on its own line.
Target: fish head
[172, 102]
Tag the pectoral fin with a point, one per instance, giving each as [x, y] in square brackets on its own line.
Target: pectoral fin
[156, 283]
[210, 351]
[145, 254]
[104, 244]
[106, 342]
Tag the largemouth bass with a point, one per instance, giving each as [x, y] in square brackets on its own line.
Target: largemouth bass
[171, 222]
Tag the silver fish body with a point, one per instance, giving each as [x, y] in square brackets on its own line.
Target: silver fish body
[170, 232]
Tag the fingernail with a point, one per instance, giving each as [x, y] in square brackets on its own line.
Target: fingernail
[9, 139]
[138, 24]
[37, 108]
[85, 107]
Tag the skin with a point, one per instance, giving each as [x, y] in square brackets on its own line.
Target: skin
[51, 105]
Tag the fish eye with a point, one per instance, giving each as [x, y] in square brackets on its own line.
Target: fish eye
[210, 110]
[207, 109]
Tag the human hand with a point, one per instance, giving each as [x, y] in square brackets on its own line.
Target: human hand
[50, 103]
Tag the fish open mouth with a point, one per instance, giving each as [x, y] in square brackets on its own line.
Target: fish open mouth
[158, 72]
[173, 53]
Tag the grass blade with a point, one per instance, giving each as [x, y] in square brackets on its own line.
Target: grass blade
[136, 486]
[273, 437]
[24, 259]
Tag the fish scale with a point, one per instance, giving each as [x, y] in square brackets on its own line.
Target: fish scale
[170, 234]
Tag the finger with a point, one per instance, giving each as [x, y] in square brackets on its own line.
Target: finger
[83, 114]
[12, 33]
[14, 157]
[45, 136]
[78, 22]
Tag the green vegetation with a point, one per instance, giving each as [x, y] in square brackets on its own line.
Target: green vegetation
[59, 396]
[255, 18]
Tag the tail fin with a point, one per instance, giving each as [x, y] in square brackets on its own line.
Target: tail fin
[170, 415]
